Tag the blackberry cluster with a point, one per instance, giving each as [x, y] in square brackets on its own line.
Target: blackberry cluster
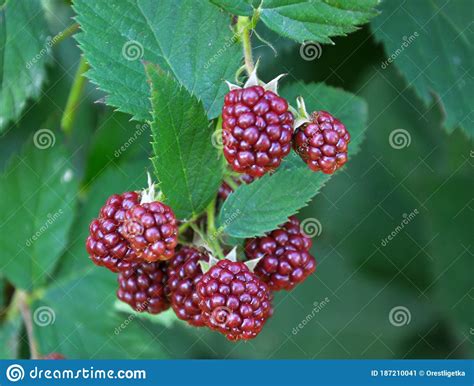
[257, 130]
[285, 256]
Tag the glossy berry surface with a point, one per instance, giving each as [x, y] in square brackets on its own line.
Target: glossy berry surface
[143, 287]
[286, 260]
[184, 272]
[256, 130]
[322, 143]
[152, 231]
[105, 244]
[233, 300]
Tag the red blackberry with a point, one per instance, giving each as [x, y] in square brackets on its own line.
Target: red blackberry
[225, 190]
[184, 272]
[152, 231]
[322, 143]
[285, 256]
[143, 287]
[256, 130]
[105, 244]
[54, 356]
[233, 300]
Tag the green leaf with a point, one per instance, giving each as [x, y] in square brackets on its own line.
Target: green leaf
[190, 39]
[38, 191]
[10, 338]
[79, 320]
[267, 202]
[116, 141]
[24, 52]
[431, 43]
[316, 20]
[235, 7]
[187, 163]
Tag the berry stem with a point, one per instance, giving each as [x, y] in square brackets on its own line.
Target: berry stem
[229, 181]
[23, 304]
[64, 34]
[73, 101]
[244, 26]
[212, 233]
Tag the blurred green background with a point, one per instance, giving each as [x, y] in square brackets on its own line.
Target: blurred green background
[410, 297]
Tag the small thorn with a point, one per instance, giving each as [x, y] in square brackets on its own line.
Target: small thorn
[232, 86]
[232, 255]
[253, 79]
[251, 264]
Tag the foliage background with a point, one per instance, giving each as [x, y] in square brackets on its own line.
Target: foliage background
[427, 268]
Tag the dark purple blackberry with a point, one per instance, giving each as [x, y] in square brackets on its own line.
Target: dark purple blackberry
[233, 300]
[286, 260]
[322, 143]
[143, 287]
[105, 244]
[184, 272]
[256, 130]
[152, 231]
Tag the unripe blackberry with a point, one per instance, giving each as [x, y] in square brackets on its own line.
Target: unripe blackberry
[233, 300]
[152, 231]
[286, 260]
[143, 287]
[184, 272]
[105, 244]
[322, 142]
[256, 130]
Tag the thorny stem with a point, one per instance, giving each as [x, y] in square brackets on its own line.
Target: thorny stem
[25, 311]
[73, 101]
[63, 35]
